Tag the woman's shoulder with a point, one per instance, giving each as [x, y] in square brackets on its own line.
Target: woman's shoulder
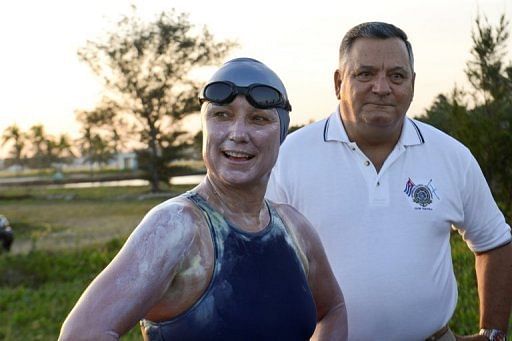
[299, 226]
[297, 221]
[175, 220]
[178, 207]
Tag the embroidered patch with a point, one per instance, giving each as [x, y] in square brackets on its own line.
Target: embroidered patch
[422, 195]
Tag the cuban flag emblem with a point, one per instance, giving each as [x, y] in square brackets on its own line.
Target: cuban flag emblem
[409, 186]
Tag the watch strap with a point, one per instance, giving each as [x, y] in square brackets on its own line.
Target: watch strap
[493, 334]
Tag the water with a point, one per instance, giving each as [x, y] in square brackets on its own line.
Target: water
[177, 180]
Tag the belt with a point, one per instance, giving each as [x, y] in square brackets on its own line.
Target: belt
[437, 335]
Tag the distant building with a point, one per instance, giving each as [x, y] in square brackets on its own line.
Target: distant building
[120, 161]
[125, 161]
[15, 168]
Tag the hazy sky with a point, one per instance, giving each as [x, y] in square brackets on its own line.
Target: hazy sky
[42, 80]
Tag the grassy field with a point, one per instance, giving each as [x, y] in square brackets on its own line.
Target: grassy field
[65, 237]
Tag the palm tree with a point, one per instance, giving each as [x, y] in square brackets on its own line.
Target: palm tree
[37, 137]
[14, 135]
[95, 148]
[64, 148]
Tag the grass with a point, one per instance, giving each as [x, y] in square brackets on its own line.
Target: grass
[57, 218]
[38, 289]
[465, 320]
[66, 237]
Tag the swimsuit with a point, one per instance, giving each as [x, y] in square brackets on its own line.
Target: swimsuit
[258, 289]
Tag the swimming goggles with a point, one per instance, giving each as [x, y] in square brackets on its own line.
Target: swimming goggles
[258, 95]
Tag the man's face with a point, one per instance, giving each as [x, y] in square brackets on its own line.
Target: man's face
[375, 87]
[240, 142]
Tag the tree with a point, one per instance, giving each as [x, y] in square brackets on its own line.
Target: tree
[145, 68]
[38, 139]
[486, 71]
[197, 146]
[14, 135]
[100, 139]
[484, 123]
[59, 150]
[94, 148]
[47, 149]
[293, 128]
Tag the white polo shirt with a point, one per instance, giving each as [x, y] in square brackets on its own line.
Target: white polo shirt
[387, 234]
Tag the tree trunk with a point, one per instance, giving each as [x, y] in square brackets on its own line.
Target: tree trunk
[153, 164]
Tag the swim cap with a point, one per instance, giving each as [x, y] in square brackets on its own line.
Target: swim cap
[247, 71]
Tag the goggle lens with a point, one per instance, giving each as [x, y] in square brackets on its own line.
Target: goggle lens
[218, 93]
[265, 96]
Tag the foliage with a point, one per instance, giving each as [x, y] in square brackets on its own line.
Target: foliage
[196, 150]
[37, 290]
[482, 118]
[466, 317]
[14, 135]
[95, 148]
[43, 150]
[37, 137]
[58, 150]
[145, 68]
[291, 129]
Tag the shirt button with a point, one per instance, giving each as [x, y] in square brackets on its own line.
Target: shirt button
[378, 183]
[367, 163]
[353, 148]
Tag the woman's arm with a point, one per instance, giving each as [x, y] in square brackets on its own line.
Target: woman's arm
[136, 278]
[330, 305]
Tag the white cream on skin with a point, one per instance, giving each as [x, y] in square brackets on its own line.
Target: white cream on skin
[241, 184]
[167, 262]
[130, 286]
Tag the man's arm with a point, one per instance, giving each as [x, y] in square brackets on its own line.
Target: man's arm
[494, 277]
[486, 232]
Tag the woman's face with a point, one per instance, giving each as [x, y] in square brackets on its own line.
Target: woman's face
[240, 142]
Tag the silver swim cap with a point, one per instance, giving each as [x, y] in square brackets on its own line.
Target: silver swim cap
[244, 72]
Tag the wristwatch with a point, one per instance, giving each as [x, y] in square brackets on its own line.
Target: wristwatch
[493, 334]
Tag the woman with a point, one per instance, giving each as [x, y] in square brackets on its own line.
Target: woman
[220, 262]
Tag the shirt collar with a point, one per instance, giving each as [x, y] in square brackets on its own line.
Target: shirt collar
[411, 133]
[334, 130]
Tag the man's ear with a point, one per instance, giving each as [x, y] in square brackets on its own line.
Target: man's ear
[413, 80]
[337, 82]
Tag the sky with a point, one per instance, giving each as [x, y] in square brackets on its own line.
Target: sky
[42, 81]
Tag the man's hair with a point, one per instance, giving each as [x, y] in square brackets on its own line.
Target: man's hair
[374, 30]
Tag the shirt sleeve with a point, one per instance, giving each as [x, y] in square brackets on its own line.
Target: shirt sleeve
[483, 227]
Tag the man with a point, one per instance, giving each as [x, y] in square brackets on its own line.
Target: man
[384, 190]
